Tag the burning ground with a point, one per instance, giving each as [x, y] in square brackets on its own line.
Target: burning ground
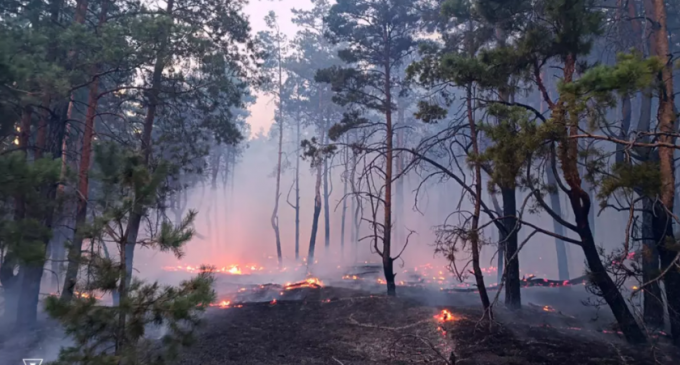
[312, 322]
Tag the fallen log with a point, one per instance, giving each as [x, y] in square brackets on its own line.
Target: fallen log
[528, 282]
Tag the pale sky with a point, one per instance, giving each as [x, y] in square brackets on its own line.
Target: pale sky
[262, 112]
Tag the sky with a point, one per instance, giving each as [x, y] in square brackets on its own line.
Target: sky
[262, 112]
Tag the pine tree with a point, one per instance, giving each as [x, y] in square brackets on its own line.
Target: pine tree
[115, 334]
[379, 35]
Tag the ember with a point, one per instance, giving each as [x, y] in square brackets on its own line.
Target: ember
[444, 316]
[548, 308]
[308, 283]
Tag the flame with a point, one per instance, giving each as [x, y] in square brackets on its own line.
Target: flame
[548, 308]
[444, 316]
[308, 283]
[273, 302]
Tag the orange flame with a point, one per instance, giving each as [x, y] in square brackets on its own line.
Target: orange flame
[444, 316]
[308, 283]
[548, 308]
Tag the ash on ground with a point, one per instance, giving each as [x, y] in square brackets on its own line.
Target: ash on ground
[330, 325]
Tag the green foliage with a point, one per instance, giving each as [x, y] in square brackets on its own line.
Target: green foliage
[126, 183]
[630, 74]
[21, 180]
[515, 137]
[643, 178]
[371, 53]
[95, 327]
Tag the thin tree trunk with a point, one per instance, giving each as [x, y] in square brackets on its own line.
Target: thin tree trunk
[387, 260]
[135, 218]
[560, 247]
[653, 311]
[344, 203]
[275, 212]
[315, 216]
[663, 216]
[502, 237]
[399, 196]
[513, 298]
[474, 234]
[356, 207]
[83, 184]
[297, 191]
[326, 207]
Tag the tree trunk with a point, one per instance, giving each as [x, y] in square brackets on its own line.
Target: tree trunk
[560, 247]
[355, 207]
[215, 169]
[502, 237]
[275, 213]
[83, 183]
[513, 298]
[399, 196]
[387, 260]
[315, 217]
[344, 203]
[474, 234]
[663, 219]
[581, 206]
[326, 208]
[135, 218]
[275, 218]
[653, 311]
[556, 206]
[297, 192]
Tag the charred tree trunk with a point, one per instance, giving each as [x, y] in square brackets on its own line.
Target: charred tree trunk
[663, 218]
[315, 217]
[474, 234]
[653, 311]
[387, 260]
[513, 298]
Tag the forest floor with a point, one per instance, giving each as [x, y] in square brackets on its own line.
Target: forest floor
[330, 325]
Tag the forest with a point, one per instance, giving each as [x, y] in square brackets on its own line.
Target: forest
[332, 150]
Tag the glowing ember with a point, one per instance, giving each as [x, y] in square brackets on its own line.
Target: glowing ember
[84, 295]
[308, 283]
[221, 304]
[273, 302]
[548, 308]
[444, 316]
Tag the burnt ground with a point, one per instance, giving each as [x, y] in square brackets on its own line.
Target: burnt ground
[344, 326]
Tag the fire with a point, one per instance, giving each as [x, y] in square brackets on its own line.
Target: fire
[273, 302]
[548, 308]
[444, 316]
[222, 304]
[308, 283]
